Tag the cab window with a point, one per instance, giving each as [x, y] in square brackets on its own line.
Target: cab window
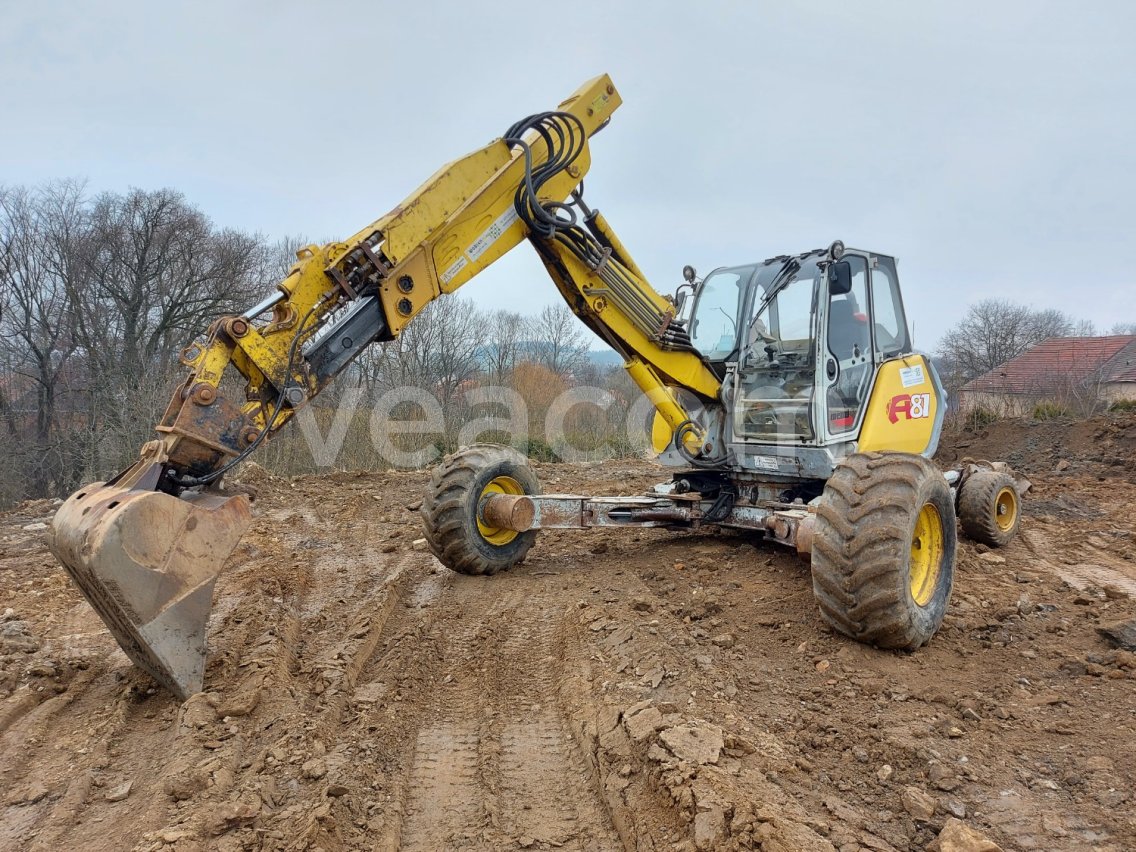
[714, 329]
[848, 335]
[788, 317]
[776, 379]
[889, 326]
[850, 350]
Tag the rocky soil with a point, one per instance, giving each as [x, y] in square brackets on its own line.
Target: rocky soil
[639, 690]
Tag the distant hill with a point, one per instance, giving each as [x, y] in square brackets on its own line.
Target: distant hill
[605, 358]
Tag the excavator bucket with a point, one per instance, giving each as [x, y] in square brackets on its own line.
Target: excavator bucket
[147, 561]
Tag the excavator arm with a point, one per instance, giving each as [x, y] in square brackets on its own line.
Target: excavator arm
[146, 546]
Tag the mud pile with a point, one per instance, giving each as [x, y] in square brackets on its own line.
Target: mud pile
[1103, 446]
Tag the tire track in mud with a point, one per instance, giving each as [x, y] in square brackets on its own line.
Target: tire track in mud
[489, 760]
[545, 791]
[444, 805]
[68, 815]
[134, 719]
[76, 798]
[1082, 567]
[263, 599]
[27, 726]
[57, 744]
[379, 701]
[27, 717]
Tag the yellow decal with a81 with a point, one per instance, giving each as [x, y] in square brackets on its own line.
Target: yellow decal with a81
[902, 410]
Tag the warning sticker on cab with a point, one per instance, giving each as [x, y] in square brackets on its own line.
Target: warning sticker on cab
[912, 376]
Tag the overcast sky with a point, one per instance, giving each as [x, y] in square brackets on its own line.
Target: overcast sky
[990, 146]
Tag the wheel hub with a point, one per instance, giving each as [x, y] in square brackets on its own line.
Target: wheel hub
[498, 485]
[1006, 509]
[926, 554]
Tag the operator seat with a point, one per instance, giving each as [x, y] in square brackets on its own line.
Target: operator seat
[846, 331]
[847, 336]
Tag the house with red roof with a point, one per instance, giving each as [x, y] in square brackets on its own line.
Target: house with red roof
[1082, 373]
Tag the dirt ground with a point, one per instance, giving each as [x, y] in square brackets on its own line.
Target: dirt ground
[639, 690]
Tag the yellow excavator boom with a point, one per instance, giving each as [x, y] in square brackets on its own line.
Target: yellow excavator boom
[146, 546]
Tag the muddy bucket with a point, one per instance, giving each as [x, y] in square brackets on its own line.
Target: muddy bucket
[147, 561]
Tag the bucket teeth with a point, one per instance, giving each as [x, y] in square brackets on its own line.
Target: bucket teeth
[147, 562]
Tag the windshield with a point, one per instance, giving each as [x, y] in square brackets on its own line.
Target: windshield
[714, 326]
[785, 320]
[777, 374]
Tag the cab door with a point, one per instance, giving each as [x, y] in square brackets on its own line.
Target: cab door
[775, 377]
[847, 353]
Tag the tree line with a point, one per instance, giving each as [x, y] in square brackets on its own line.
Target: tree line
[100, 292]
[994, 331]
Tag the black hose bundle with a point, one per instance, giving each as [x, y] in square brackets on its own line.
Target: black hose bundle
[564, 137]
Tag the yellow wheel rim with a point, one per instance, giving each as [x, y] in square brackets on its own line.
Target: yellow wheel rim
[1006, 509]
[499, 485]
[926, 554]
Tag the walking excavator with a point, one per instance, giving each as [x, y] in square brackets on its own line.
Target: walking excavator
[787, 395]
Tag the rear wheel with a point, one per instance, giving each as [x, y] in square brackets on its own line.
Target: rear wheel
[989, 509]
[455, 529]
[883, 553]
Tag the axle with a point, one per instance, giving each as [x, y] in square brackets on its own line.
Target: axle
[787, 524]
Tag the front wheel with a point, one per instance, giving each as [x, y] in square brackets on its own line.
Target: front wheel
[451, 509]
[883, 554]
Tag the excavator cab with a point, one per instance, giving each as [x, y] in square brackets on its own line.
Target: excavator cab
[799, 342]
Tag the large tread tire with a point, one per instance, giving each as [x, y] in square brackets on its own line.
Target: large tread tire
[450, 504]
[989, 507]
[862, 549]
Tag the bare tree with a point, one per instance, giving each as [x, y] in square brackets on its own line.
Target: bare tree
[37, 327]
[1123, 328]
[161, 267]
[994, 331]
[558, 340]
[98, 297]
[505, 331]
[156, 272]
[439, 351]
[277, 258]
[457, 357]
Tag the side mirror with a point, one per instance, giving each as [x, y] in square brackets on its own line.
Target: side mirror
[679, 301]
[688, 273]
[839, 278]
